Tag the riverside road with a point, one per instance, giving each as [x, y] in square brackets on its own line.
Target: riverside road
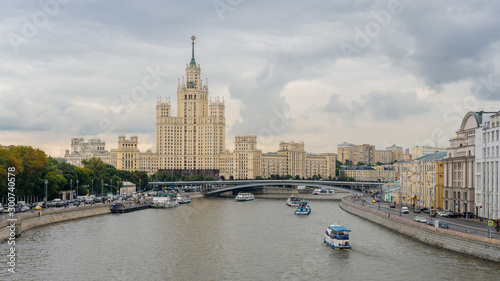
[470, 226]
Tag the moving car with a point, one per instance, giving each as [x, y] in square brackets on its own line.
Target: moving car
[392, 205]
[405, 210]
[443, 224]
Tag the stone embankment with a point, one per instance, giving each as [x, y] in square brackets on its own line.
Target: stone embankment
[36, 218]
[473, 245]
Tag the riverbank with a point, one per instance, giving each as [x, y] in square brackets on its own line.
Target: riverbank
[473, 245]
[14, 226]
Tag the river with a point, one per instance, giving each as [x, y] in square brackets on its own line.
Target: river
[220, 239]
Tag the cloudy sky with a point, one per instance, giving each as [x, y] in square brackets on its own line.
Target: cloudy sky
[322, 72]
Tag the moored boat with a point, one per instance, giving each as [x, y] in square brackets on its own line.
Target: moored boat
[244, 196]
[164, 202]
[183, 198]
[292, 201]
[323, 191]
[303, 208]
[337, 236]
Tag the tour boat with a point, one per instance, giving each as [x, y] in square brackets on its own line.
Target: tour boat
[164, 202]
[292, 201]
[303, 208]
[244, 196]
[322, 191]
[337, 236]
[183, 198]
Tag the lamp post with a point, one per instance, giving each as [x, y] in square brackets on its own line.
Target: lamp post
[76, 187]
[102, 187]
[92, 192]
[46, 182]
[111, 186]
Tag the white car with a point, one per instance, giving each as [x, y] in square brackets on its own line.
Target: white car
[405, 210]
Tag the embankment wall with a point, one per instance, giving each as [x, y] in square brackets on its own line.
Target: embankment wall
[473, 245]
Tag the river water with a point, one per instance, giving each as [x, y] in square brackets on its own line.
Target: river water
[220, 239]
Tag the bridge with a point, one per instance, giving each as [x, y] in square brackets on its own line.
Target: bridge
[215, 188]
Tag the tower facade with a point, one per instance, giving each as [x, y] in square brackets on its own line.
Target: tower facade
[194, 138]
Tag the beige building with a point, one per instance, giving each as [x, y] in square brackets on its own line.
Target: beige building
[195, 140]
[419, 151]
[459, 166]
[248, 162]
[422, 181]
[373, 174]
[383, 156]
[364, 153]
[81, 150]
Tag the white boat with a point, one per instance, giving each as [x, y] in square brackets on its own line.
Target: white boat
[164, 202]
[322, 191]
[292, 201]
[183, 198]
[337, 236]
[244, 196]
[303, 208]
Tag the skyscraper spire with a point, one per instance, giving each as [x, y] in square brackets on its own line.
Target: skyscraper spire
[193, 62]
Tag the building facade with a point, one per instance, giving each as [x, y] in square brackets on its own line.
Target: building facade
[194, 140]
[373, 174]
[422, 181]
[419, 151]
[458, 190]
[81, 150]
[487, 143]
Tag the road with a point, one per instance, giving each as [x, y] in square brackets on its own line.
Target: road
[471, 226]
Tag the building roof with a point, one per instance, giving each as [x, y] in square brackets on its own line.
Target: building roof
[346, 144]
[432, 157]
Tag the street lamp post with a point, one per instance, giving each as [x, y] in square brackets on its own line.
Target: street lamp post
[46, 182]
[76, 187]
[92, 192]
[102, 187]
[111, 186]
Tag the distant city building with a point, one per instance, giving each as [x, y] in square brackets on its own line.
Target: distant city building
[407, 155]
[419, 151]
[127, 188]
[422, 181]
[396, 153]
[366, 154]
[487, 143]
[365, 173]
[81, 150]
[194, 140]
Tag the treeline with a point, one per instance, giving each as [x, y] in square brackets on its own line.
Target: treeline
[33, 167]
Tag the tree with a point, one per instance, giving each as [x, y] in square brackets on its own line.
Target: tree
[361, 164]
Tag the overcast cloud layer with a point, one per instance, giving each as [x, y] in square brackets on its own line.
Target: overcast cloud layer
[322, 72]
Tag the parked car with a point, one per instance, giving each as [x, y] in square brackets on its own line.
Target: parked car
[444, 214]
[431, 222]
[468, 215]
[416, 211]
[416, 218]
[423, 220]
[424, 210]
[392, 205]
[454, 215]
[405, 210]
